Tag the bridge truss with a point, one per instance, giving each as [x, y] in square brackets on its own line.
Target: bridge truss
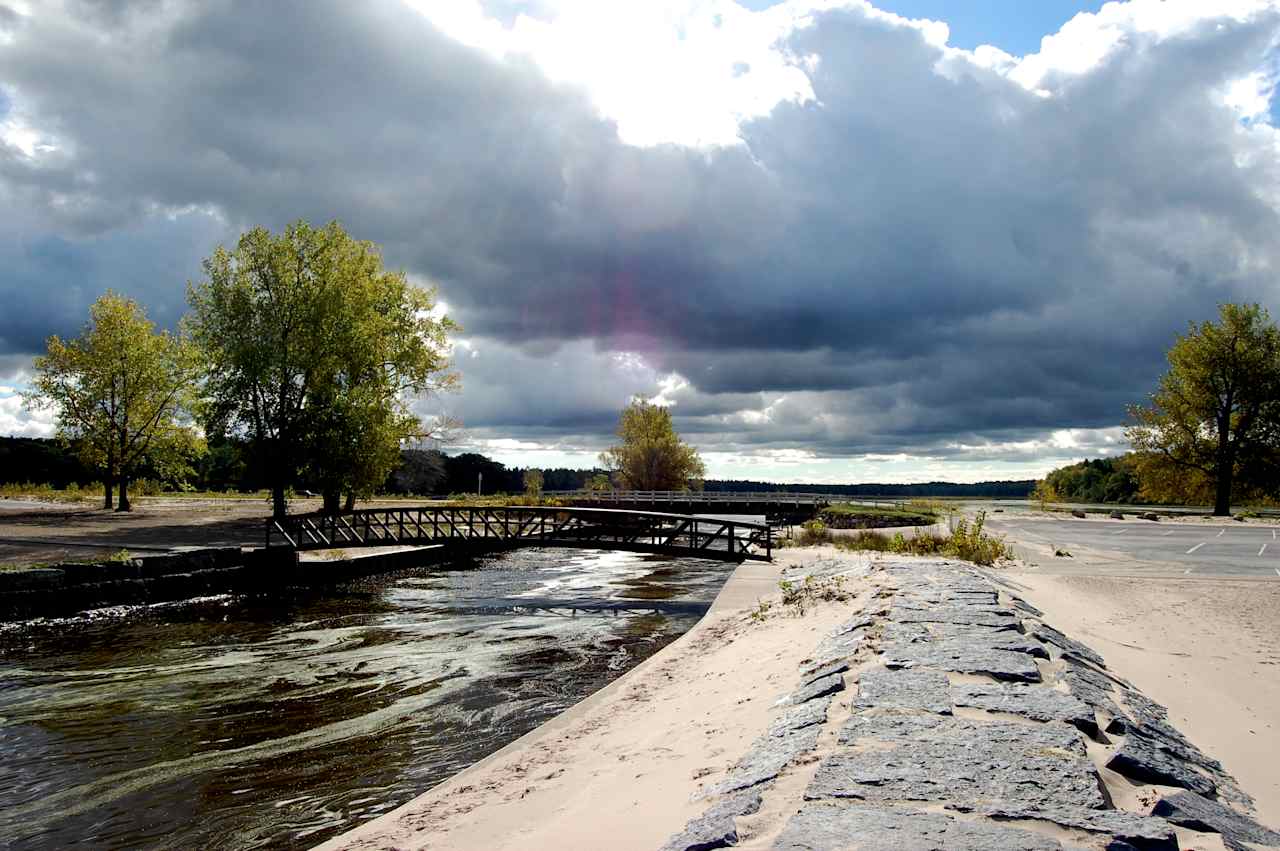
[498, 527]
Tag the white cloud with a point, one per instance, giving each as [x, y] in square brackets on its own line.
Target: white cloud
[16, 420]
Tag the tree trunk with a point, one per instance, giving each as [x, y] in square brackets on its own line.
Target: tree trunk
[332, 496]
[1222, 496]
[279, 507]
[124, 504]
[108, 494]
[351, 501]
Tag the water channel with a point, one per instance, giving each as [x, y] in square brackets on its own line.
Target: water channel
[277, 723]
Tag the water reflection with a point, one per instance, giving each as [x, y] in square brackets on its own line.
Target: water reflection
[277, 723]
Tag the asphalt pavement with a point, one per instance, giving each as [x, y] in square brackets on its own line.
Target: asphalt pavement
[1098, 544]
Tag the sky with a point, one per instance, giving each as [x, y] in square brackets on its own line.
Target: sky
[843, 242]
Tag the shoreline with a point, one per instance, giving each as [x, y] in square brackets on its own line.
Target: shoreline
[638, 761]
[443, 816]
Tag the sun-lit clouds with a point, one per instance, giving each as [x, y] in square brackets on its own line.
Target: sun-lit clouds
[830, 243]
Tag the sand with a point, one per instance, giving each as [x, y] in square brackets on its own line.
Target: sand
[1208, 649]
[627, 762]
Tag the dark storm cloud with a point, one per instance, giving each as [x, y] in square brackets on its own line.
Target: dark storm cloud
[925, 254]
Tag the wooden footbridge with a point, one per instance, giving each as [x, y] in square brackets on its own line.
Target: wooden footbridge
[471, 528]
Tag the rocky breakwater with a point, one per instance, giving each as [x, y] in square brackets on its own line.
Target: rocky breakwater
[952, 716]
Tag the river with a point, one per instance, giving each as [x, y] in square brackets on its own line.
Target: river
[279, 722]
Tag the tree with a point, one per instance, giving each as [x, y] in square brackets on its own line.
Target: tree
[314, 351]
[651, 455]
[533, 484]
[1213, 425]
[1045, 494]
[120, 391]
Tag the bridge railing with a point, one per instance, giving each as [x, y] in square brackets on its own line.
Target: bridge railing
[588, 528]
[606, 496]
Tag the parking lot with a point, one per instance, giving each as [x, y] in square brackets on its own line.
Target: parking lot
[1228, 548]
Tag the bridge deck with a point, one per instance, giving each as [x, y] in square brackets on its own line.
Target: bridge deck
[543, 526]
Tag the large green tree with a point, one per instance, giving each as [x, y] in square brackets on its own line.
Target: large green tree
[651, 455]
[1213, 424]
[121, 392]
[314, 351]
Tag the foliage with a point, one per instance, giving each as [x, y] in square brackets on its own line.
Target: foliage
[533, 483]
[1214, 420]
[651, 455]
[121, 392]
[311, 349]
[967, 540]
[799, 596]
[992, 490]
[1098, 480]
[1045, 494]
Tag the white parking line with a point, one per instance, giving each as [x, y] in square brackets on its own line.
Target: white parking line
[1188, 570]
[1262, 550]
[1120, 532]
[1219, 535]
[1196, 547]
[1167, 534]
[1278, 571]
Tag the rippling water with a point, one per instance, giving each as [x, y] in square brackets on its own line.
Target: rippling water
[280, 722]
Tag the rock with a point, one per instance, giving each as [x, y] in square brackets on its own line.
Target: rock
[1139, 832]
[1023, 606]
[765, 760]
[883, 688]
[716, 827]
[33, 578]
[798, 717]
[1187, 809]
[1068, 646]
[1150, 515]
[1039, 703]
[836, 827]
[1075, 512]
[962, 656]
[821, 687]
[967, 763]
[1142, 758]
[971, 616]
[836, 648]
[811, 674]
[1116, 515]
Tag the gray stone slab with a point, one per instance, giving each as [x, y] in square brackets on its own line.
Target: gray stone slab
[837, 827]
[716, 827]
[766, 758]
[962, 656]
[836, 648]
[883, 688]
[1023, 606]
[1037, 702]
[1145, 832]
[860, 621]
[953, 614]
[1096, 691]
[962, 762]
[1187, 809]
[1068, 646]
[798, 717]
[1141, 757]
[810, 674]
[997, 639]
[820, 687]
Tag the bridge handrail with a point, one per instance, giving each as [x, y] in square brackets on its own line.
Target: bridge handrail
[533, 524]
[691, 496]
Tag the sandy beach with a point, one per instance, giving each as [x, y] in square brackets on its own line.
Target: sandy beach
[632, 761]
[1208, 649]
[628, 762]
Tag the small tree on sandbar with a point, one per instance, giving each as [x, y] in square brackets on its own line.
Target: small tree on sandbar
[651, 455]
